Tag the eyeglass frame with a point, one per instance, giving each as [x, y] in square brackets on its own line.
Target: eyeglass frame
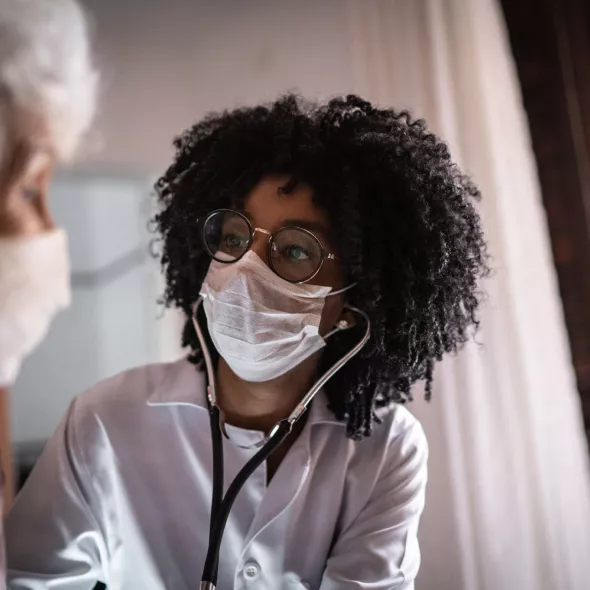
[325, 255]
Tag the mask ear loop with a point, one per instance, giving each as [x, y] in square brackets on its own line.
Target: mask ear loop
[343, 290]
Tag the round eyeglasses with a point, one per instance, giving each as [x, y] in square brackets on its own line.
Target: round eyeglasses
[294, 253]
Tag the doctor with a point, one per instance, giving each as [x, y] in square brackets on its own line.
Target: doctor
[276, 223]
[47, 98]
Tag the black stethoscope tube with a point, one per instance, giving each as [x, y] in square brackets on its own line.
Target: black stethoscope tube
[217, 492]
[223, 508]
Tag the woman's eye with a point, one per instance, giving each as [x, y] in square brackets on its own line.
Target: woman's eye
[234, 241]
[295, 254]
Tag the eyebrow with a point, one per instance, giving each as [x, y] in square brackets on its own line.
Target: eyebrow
[312, 226]
[315, 227]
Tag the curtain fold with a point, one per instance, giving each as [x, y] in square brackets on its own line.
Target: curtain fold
[509, 497]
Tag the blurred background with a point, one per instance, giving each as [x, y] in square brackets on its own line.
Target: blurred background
[507, 85]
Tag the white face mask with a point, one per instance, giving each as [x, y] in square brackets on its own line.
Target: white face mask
[262, 325]
[34, 285]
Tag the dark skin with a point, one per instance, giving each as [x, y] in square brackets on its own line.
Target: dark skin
[259, 406]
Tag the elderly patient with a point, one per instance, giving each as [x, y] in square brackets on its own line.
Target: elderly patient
[47, 99]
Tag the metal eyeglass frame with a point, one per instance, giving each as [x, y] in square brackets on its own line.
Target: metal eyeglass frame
[325, 255]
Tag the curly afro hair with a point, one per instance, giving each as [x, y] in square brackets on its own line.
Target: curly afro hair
[408, 232]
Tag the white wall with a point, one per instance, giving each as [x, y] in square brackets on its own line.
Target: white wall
[167, 63]
[112, 322]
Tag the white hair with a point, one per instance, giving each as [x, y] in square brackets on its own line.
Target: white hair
[46, 69]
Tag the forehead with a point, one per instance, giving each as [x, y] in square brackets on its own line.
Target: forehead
[267, 207]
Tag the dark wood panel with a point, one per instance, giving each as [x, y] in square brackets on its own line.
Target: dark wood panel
[6, 464]
[551, 44]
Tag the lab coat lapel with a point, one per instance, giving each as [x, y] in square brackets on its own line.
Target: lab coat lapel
[291, 476]
[283, 489]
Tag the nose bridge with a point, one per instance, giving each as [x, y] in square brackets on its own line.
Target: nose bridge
[259, 246]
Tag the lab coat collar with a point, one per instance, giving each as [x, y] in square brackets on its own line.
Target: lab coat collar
[184, 384]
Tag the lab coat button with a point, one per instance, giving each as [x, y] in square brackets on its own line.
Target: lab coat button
[251, 569]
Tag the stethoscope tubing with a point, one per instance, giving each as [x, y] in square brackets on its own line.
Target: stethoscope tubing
[221, 505]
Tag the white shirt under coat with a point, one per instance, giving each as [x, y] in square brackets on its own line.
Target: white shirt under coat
[122, 494]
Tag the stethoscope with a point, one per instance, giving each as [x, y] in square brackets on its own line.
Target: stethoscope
[221, 505]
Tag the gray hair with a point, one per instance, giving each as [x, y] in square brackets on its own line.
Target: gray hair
[46, 69]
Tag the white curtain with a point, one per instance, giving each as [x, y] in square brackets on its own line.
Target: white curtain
[509, 498]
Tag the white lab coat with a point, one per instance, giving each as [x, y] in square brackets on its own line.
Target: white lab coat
[122, 494]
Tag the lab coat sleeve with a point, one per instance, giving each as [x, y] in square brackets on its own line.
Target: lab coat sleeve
[379, 548]
[53, 539]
